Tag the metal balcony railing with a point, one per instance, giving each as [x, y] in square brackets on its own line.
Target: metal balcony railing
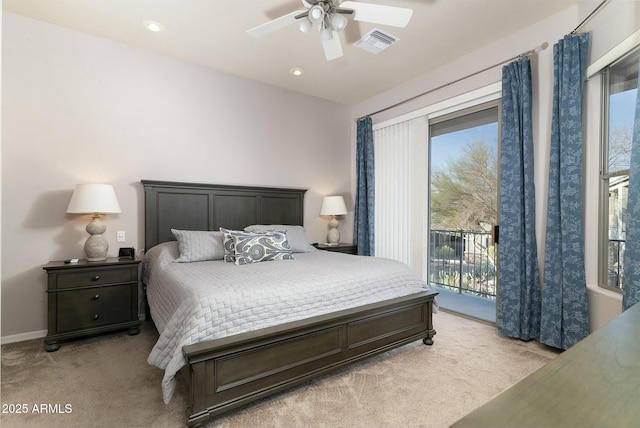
[463, 261]
[615, 263]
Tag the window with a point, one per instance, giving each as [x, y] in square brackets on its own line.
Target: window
[620, 87]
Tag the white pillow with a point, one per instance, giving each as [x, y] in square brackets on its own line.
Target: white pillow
[198, 245]
[295, 234]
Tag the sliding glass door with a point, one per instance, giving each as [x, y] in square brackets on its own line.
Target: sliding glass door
[463, 209]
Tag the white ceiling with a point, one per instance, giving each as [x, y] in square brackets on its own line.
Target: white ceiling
[213, 33]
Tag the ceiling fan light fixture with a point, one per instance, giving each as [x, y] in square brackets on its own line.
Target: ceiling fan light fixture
[338, 22]
[326, 34]
[316, 14]
[305, 25]
[332, 17]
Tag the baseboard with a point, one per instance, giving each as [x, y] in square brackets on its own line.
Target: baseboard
[23, 336]
[463, 315]
[36, 334]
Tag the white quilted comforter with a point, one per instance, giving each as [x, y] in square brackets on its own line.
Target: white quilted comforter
[192, 302]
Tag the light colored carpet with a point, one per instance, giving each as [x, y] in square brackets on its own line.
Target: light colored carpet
[106, 382]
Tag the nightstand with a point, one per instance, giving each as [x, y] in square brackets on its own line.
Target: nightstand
[88, 298]
[340, 248]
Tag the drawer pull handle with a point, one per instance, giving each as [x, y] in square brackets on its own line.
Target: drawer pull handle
[96, 297]
[97, 277]
[96, 316]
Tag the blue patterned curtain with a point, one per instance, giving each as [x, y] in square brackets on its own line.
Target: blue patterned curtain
[519, 289]
[364, 212]
[565, 318]
[631, 287]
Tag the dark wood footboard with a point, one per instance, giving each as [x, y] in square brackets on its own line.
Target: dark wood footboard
[233, 371]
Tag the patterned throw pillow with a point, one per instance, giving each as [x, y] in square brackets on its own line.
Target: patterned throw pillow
[295, 234]
[229, 245]
[260, 246]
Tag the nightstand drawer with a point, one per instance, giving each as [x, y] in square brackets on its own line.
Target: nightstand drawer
[93, 307]
[88, 277]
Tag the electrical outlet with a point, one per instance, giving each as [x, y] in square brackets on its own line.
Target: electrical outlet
[120, 236]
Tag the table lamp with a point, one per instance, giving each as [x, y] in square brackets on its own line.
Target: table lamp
[95, 199]
[333, 206]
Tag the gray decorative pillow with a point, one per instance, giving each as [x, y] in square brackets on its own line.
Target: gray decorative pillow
[229, 244]
[295, 234]
[198, 245]
[260, 247]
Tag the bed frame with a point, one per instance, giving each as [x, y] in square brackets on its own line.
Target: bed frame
[230, 372]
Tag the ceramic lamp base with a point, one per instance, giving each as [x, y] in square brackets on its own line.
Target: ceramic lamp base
[333, 237]
[96, 247]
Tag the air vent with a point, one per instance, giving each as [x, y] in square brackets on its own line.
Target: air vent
[375, 41]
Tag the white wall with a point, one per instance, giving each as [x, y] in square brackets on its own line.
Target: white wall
[78, 108]
[616, 21]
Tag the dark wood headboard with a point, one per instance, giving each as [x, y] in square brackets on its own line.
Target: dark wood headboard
[198, 206]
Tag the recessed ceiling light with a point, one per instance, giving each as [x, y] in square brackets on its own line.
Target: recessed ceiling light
[296, 71]
[153, 26]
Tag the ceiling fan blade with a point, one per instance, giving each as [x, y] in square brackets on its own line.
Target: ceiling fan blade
[343, 11]
[379, 14]
[332, 48]
[276, 24]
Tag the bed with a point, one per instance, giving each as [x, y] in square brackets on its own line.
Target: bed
[274, 342]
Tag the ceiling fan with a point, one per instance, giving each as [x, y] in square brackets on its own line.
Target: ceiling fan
[331, 17]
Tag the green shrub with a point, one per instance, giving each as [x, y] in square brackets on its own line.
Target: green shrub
[444, 252]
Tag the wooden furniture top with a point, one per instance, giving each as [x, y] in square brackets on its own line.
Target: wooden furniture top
[596, 383]
[342, 247]
[83, 263]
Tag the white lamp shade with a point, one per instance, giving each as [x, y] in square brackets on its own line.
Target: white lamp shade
[93, 198]
[333, 205]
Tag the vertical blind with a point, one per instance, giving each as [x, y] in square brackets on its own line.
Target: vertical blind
[401, 178]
